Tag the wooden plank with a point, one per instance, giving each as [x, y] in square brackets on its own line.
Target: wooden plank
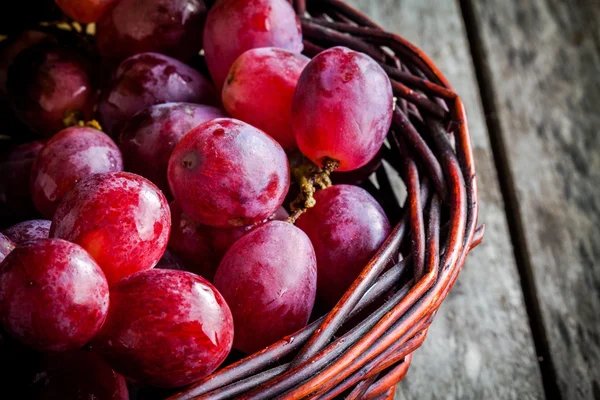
[479, 346]
[542, 62]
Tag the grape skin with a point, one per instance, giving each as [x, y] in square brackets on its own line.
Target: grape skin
[149, 137]
[226, 173]
[172, 27]
[68, 157]
[165, 328]
[253, 24]
[46, 83]
[147, 79]
[346, 226]
[268, 278]
[259, 90]
[342, 108]
[53, 295]
[6, 246]
[28, 230]
[121, 219]
[85, 11]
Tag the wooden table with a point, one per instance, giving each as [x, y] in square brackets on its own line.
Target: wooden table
[523, 320]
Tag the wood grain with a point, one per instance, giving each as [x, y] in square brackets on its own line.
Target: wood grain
[542, 59]
[480, 344]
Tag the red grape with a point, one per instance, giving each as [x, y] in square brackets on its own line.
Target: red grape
[6, 246]
[29, 230]
[85, 11]
[121, 219]
[147, 79]
[251, 24]
[69, 156]
[172, 27]
[165, 328]
[53, 295]
[77, 375]
[259, 90]
[149, 137]
[357, 176]
[269, 279]
[342, 108]
[46, 83]
[226, 173]
[15, 168]
[347, 227]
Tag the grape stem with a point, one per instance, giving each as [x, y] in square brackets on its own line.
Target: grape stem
[310, 178]
[75, 118]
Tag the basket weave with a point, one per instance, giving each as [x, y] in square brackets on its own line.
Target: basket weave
[430, 148]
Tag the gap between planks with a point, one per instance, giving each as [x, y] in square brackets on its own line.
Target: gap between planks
[513, 214]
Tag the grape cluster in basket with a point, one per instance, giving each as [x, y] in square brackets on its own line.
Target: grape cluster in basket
[175, 206]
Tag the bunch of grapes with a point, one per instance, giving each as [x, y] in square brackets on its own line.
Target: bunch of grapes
[147, 231]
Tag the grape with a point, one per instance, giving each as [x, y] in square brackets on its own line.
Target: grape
[77, 375]
[268, 278]
[259, 90]
[148, 79]
[172, 27]
[148, 139]
[346, 227]
[6, 246]
[48, 82]
[165, 328]
[85, 11]
[29, 230]
[12, 47]
[15, 198]
[226, 173]
[202, 247]
[342, 108]
[251, 24]
[69, 156]
[53, 296]
[121, 219]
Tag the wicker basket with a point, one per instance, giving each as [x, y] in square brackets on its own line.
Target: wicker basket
[430, 148]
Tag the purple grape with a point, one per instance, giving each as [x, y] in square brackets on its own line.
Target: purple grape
[68, 157]
[29, 230]
[268, 278]
[149, 137]
[48, 82]
[346, 227]
[172, 27]
[148, 79]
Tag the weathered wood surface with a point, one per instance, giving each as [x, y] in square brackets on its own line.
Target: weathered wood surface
[480, 345]
[542, 59]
